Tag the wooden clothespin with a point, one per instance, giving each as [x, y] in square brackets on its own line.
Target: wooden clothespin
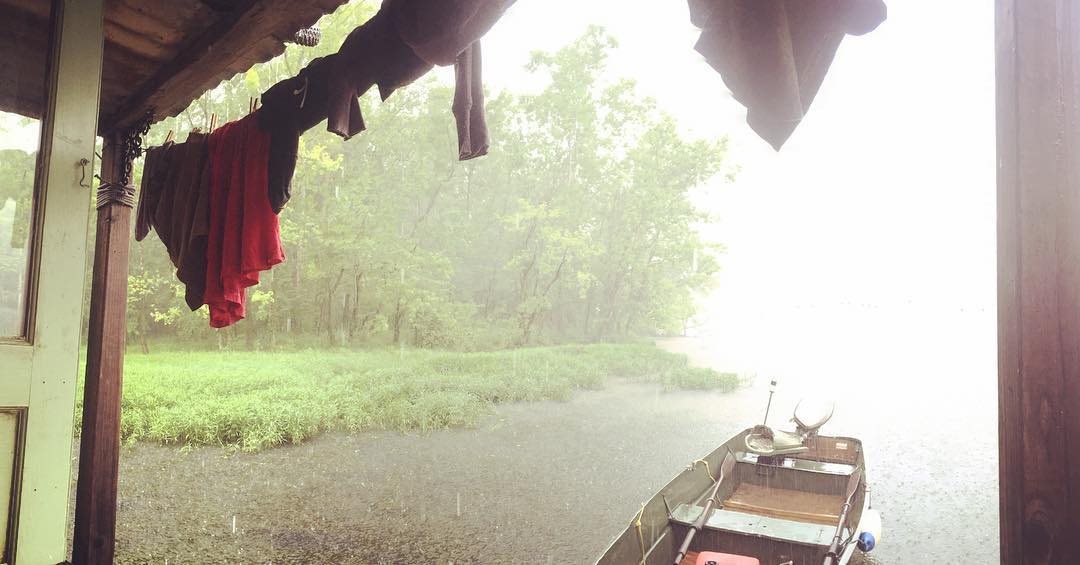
[213, 122]
[169, 137]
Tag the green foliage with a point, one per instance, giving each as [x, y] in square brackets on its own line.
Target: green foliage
[252, 401]
[576, 227]
[16, 188]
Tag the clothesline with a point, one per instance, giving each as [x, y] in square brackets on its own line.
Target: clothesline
[214, 198]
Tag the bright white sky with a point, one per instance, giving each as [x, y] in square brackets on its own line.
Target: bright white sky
[873, 228]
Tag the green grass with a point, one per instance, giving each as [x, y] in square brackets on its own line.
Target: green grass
[255, 400]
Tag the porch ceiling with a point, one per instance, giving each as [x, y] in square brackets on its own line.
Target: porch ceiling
[159, 55]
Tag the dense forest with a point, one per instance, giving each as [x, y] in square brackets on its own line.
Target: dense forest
[577, 226]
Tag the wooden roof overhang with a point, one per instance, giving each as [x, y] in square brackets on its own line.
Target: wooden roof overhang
[159, 56]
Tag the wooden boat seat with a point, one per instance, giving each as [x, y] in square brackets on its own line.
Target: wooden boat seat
[787, 504]
[757, 525]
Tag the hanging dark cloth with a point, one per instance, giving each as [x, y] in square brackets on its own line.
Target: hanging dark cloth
[398, 45]
[155, 169]
[173, 203]
[289, 108]
[469, 105]
[374, 54]
[444, 32]
[194, 227]
[439, 30]
[773, 54]
[401, 43]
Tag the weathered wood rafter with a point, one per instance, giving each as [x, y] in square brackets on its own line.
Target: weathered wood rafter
[252, 31]
[159, 55]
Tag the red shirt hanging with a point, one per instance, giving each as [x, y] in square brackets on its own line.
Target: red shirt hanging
[244, 236]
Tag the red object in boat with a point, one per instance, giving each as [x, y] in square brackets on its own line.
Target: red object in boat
[712, 558]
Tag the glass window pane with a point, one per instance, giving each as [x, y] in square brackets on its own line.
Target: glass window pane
[23, 55]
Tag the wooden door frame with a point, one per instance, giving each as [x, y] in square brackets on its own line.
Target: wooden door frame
[46, 361]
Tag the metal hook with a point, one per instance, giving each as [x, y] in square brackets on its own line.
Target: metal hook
[83, 163]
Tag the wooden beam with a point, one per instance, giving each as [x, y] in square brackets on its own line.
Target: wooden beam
[185, 63]
[212, 56]
[99, 451]
[1038, 117]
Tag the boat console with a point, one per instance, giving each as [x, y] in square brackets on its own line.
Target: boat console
[809, 417]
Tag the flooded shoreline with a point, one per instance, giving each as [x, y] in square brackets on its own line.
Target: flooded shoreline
[555, 481]
[550, 482]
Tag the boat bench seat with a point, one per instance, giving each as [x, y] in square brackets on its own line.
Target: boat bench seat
[800, 464]
[781, 529]
[783, 503]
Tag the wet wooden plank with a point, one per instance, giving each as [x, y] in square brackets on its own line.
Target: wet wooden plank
[788, 504]
[1038, 111]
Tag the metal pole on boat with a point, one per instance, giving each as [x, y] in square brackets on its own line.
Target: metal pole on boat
[772, 389]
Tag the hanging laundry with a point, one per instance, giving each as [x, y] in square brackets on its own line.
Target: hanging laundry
[171, 198]
[244, 235]
[207, 199]
[214, 199]
[439, 30]
[289, 108]
[773, 54]
[193, 227]
[398, 45]
[373, 54]
[155, 169]
[469, 105]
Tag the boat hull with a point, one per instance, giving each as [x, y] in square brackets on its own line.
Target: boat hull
[777, 511]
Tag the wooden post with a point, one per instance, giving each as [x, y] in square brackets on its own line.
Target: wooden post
[1038, 116]
[99, 453]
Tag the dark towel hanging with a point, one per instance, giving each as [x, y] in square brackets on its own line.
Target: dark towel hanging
[773, 54]
[469, 104]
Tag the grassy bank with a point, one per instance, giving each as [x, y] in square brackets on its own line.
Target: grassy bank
[257, 400]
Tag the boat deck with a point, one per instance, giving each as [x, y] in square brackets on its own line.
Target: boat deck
[787, 504]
